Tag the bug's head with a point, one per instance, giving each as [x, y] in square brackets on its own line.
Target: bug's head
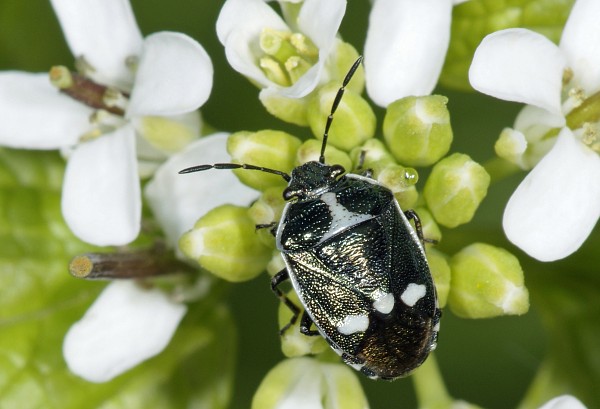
[311, 179]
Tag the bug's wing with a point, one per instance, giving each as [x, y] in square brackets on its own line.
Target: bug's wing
[343, 277]
[335, 279]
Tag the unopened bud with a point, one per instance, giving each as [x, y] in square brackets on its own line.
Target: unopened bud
[224, 242]
[271, 149]
[487, 281]
[417, 129]
[455, 188]
[354, 121]
[311, 149]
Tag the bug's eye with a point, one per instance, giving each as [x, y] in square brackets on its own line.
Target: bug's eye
[289, 194]
[337, 170]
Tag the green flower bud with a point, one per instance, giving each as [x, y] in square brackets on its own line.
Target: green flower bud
[311, 149]
[440, 271]
[276, 264]
[455, 188]
[224, 242]
[354, 121]
[270, 149]
[417, 129]
[408, 198]
[345, 55]
[397, 178]
[292, 110]
[308, 383]
[267, 209]
[293, 342]
[511, 145]
[166, 134]
[430, 228]
[487, 281]
[376, 156]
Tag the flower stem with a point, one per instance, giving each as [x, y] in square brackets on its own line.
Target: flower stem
[587, 112]
[126, 265]
[84, 90]
[499, 169]
[429, 386]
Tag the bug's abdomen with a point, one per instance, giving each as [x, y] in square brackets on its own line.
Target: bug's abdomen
[370, 293]
[394, 346]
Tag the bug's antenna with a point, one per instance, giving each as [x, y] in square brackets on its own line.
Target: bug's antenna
[200, 168]
[336, 102]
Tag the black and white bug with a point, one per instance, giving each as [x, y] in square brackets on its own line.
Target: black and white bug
[356, 263]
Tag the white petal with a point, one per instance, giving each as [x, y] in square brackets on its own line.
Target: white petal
[239, 26]
[178, 201]
[519, 65]
[101, 199]
[580, 42]
[405, 47]
[563, 402]
[556, 206]
[174, 76]
[35, 115]
[125, 326]
[320, 21]
[531, 116]
[104, 32]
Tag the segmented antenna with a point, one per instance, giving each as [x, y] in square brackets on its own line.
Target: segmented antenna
[336, 102]
[285, 176]
[200, 168]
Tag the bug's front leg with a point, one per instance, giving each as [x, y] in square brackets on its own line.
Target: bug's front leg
[305, 324]
[277, 279]
[368, 173]
[272, 226]
[412, 215]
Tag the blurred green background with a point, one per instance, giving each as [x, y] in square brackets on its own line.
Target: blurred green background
[487, 362]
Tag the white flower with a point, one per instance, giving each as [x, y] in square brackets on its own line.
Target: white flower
[557, 205]
[125, 326]
[563, 402]
[310, 384]
[284, 57]
[178, 201]
[161, 79]
[405, 48]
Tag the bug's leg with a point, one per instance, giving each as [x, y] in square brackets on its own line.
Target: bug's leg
[275, 282]
[272, 226]
[412, 215]
[305, 324]
[368, 173]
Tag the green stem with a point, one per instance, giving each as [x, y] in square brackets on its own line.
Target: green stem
[588, 111]
[429, 386]
[499, 169]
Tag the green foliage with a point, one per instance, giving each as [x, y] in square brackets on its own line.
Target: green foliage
[39, 301]
[473, 20]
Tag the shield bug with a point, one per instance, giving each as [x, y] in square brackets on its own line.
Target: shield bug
[356, 263]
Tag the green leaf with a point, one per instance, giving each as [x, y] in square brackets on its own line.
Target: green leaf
[39, 301]
[473, 20]
[566, 296]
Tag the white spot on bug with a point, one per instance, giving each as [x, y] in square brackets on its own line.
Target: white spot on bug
[341, 217]
[437, 327]
[413, 293]
[385, 303]
[353, 324]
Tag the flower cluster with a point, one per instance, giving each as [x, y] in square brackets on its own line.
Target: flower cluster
[125, 119]
[557, 205]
